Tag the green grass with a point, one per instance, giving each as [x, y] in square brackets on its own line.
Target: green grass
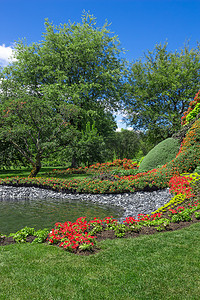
[24, 172]
[161, 266]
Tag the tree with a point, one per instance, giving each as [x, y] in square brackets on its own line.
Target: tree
[125, 144]
[74, 64]
[161, 86]
[36, 128]
[9, 155]
[77, 63]
[91, 146]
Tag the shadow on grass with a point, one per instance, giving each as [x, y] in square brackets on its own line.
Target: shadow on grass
[24, 172]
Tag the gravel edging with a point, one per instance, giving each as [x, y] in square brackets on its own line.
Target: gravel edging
[131, 203]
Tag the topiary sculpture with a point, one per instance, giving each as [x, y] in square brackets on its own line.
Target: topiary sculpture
[160, 154]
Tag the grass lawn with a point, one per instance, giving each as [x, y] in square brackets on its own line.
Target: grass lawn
[24, 172]
[160, 266]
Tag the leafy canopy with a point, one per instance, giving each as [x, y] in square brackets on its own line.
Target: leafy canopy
[161, 87]
[56, 86]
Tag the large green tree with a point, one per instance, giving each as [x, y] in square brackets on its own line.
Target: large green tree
[74, 64]
[36, 128]
[161, 86]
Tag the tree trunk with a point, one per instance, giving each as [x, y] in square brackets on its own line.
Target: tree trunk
[74, 162]
[36, 167]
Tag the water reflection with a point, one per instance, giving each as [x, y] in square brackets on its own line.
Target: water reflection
[44, 213]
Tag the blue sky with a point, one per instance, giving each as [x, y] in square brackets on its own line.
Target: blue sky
[139, 24]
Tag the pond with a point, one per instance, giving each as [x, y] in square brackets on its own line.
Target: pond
[41, 208]
[44, 213]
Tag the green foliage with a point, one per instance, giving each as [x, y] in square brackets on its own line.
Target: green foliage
[9, 157]
[141, 159]
[160, 154]
[193, 113]
[183, 216]
[197, 170]
[41, 236]
[123, 172]
[135, 227]
[35, 129]
[85, 246]
[176, 200]
[197, 215]
[54, 87]
[91, 146]
[21, 235]
[126, 143]
[120, 230]
[161, 87]
[158, 222]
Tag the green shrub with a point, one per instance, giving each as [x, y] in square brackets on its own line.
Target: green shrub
[197, 215]
[193, 113]
[182, 216]
[192, 137]
[160, 154]
[21, 235]
[197, 170]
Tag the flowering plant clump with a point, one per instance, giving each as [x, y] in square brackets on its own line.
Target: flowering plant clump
[176, 200]
[181, 184]
[192, 137]
[68, 171]
[79, 235]
[126, 164]
[182, 187]
[156, 220]
[72, 236]
[193, 110]
[183, 214]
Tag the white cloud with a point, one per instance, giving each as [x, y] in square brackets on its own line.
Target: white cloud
[6, 54]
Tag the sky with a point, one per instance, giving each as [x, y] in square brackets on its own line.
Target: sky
[139, 24]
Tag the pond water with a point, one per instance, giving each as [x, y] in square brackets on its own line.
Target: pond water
[44, 213]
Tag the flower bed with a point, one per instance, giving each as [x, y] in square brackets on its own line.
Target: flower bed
[125, 164]
[193, 110]
[82, 235]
